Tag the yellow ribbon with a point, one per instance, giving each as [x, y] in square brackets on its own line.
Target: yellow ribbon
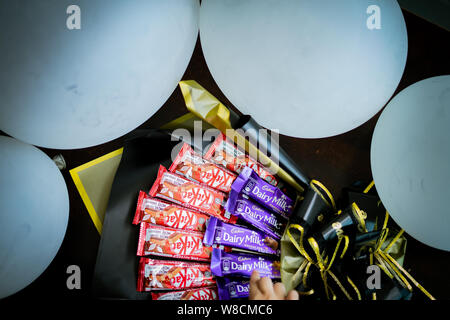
[387, 263]
[360, 216]
[324, 267]
[394, 267]
[314, 184]
[354, 288]
[367, 189]
[298, 245]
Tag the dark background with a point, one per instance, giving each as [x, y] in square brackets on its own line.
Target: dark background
[337, 162]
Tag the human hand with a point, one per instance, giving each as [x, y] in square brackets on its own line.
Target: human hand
[271, 243]
[264, 289]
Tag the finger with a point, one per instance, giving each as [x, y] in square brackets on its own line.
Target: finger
[254, 289]
[268, 242]
[254, 278]
[274, 244]
[271, 243]
[292, 295]
[279, 290]
[265, 285]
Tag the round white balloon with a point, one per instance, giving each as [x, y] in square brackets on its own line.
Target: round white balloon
[34, 210]
[310, 68]
[78, 76]
[410, 158]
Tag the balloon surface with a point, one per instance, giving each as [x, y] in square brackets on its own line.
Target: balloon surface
[77, 76]
[310, 68]
[410, 159]
[34, 210]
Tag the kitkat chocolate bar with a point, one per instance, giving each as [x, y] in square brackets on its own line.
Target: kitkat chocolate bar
[173, 275]
[192, 294]
[225, 153]
[169, 242]
[156, 211]
[194, 167]
[193, 195]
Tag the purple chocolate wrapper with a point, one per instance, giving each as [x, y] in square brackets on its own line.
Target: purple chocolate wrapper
[249, 183]
[242, 264]
[219, 233]
[232, 288]
[240, 205]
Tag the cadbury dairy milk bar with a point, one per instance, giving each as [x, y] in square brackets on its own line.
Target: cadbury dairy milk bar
[250, 184]
[242, 264]
[232, 288]
[240, 205]
[219, 233]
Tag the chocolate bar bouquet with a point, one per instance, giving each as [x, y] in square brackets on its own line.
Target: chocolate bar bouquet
[211, 219]
[326, 251]
[214, 227]
[210, 235]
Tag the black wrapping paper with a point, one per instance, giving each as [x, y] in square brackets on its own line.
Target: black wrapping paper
[390, 289]
[308, 211]
[328, 234]
[265, 144]
[369, 203]
[116, 269]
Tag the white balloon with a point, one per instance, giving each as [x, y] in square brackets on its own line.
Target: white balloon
[410, 159]
[34, 210]
[74, 78]
[310, 68]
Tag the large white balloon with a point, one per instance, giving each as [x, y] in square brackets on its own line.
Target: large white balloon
[34, 210]
[63, 87]
[410, 158]
[310, 68]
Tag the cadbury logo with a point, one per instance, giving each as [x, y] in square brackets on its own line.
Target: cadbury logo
[267, 188]
[243, 258]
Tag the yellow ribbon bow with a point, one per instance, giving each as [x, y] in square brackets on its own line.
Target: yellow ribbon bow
[322, 262]
[387, 263]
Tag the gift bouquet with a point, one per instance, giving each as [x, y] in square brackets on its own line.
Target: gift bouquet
[212, 218]
[211, 227]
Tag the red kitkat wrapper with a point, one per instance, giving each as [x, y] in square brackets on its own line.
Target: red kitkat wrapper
[193, 294]
[156, 211]
[225, 153]
[173, 275]
[194, 167]
[170, 242]
[193, 195]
